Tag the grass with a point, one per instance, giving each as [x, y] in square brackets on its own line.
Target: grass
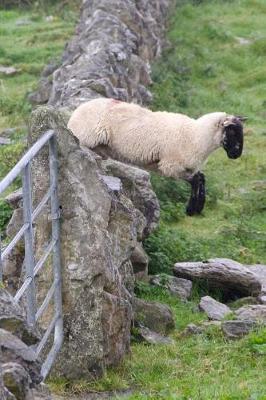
[204, 69]
[28, 42]
[200, 367]
[28, 48]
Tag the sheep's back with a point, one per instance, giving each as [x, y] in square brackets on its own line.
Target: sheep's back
[132, 133]
[142, 136]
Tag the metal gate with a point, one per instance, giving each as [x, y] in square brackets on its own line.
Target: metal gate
[23, 168]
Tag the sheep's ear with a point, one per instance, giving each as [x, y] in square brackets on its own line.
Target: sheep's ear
[229, 121]
[241, 118]
[234, 120]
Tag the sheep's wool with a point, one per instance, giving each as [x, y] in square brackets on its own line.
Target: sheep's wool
[176, 144]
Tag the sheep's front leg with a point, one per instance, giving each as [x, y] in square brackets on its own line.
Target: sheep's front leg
[197, 197]
[197, 181]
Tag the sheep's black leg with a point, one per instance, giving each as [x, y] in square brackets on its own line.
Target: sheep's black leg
[197, 197]
[201, 193]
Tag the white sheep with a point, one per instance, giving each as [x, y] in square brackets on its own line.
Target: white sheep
[174, 144]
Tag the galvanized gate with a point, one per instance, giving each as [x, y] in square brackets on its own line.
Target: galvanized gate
[23, 168]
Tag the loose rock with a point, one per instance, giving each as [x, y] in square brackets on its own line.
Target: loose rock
[4, 141]
[192, 329]
[206, 324]
[137, 186]
[244, 301]
[255, 313]
[7, 132]
[15, 198]
[233, 278]
[153, 337]
[259, 271]
[8, 70]
[23, 22]
[14, 350]
[139, 261]
[11, 315]
[236, 329]
[178, 287]
[213, 308]
[16, 380]
[155, 316]
[262, 299]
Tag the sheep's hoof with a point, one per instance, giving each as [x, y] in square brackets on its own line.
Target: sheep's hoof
[190, 210]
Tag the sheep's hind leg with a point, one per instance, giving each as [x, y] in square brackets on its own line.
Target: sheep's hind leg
[197, 197]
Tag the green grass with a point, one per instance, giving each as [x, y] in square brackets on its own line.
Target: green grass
[199, 367]
[28, 48]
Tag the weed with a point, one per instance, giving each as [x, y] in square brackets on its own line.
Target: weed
[5, 215]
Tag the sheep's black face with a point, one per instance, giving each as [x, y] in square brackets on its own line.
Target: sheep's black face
[233, 139]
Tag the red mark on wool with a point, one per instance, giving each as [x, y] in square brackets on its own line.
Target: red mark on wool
[114, 101]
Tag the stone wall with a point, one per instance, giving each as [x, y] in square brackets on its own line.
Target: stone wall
[109, 55]
[104, 218]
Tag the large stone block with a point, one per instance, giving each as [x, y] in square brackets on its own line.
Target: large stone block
[233, 278]
[99, 231]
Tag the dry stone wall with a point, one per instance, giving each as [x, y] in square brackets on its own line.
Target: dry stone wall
[109, 55]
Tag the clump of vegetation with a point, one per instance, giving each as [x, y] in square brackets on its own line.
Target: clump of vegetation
[257, 341]
[5, 214]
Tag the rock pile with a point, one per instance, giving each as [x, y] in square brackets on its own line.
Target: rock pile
[233, 280]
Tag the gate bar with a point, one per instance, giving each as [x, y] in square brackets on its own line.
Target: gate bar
[11, 176]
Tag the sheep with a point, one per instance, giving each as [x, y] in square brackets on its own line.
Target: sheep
[174, 145]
